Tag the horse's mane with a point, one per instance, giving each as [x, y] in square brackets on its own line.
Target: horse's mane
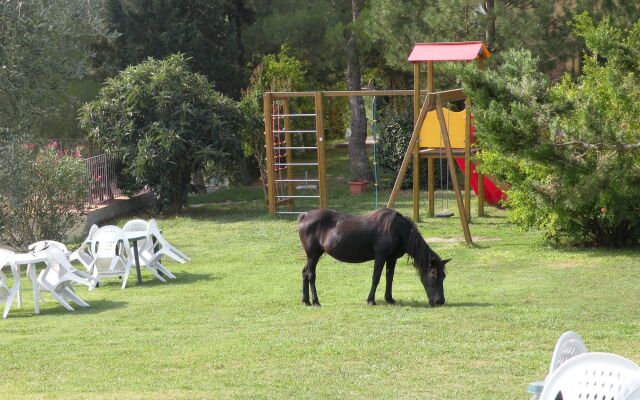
[417, 248]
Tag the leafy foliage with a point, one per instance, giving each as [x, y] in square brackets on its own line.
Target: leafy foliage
[166, 122]
[43, 44]
[208, 31]
[280, 72]
[42, 194]
[570, 151]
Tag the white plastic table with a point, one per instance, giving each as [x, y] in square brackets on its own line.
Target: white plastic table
[30, 259]
[133, 237]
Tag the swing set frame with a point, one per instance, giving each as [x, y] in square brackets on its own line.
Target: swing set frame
[423, 52]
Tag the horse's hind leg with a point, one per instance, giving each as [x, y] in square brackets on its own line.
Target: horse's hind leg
[311, 275]
[377, 272]
[306, 280]
[391, 267]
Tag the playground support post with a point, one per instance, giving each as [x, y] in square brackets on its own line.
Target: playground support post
[416, 145]
[467, 158]
[268, 138]
[452, 171]
[407, 155]
[431, 173]
[322, 167]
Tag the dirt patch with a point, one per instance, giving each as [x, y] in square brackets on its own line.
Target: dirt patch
[460, 239]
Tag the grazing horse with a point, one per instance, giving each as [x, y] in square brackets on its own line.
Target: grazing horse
[384, 236]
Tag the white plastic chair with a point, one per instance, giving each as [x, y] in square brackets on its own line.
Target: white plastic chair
[569, 344]
[111, 255]
[83, 253]
[165, 248]
[8, 294]
[146, 249]
[44, 244]
[601, 376]
[59, 277]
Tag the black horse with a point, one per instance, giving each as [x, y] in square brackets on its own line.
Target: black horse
[384, 236]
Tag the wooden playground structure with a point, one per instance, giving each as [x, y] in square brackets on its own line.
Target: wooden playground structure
[439, 133]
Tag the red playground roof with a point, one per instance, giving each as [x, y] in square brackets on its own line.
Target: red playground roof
[452, 51]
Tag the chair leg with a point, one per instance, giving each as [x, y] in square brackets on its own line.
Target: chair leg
[61, 300]
[12, 294]
[125, 277]
[71, 294]
[36, 288]
[165, 270]
[154, 272]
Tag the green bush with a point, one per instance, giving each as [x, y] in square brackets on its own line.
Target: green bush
[168, 122]
[41, 194]
[570, 151]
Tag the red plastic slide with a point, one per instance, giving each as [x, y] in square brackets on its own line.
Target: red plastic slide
[492, 194]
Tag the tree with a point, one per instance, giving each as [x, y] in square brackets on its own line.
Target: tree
[570, 151]
[42, 194]
[43, 45]
[207, 31]
[357, 142]
[166, 122]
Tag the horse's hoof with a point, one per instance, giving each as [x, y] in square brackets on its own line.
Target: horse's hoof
[306, 302]
[371, 302]
[316, 304]
[390, 301]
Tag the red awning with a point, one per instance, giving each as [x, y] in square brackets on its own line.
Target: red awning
[453, 51]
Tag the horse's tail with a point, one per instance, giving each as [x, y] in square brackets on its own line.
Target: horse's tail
[301, 217]
[417, 248]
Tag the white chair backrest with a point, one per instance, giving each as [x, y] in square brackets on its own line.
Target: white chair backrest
[44, 244]
[106, 240]
[593, 376]
[5, 257]
[135, 225]
[92, 231]
[569, 345]
[154, 231]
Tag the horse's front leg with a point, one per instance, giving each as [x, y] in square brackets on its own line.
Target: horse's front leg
[309, 280]
[377, 272]
[391, 267]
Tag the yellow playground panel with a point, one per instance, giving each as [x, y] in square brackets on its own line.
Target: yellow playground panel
[430, 136]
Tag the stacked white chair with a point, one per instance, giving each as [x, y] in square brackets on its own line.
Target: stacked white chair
[83, 253]
[594, 376]
[165, 248]
[59, 277]
[146, 249]
[569, 345]
[111, 255]
[7, 294]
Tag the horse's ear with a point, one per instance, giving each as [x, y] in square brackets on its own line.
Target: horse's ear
[444, 262]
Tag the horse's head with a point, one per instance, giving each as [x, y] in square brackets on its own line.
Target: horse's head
[432, 278]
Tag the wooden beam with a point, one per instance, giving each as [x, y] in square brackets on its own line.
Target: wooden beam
[431, 165]
[467, 159]
[416, 146]
[322, 163]
[268, 139]
[447, 96]
[452, 170]
[289, 153]
[407, 154]
[480, 195]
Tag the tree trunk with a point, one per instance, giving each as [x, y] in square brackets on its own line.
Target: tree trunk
[490, 34]
[357, 141]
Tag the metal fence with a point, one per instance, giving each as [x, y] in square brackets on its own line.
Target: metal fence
[101, 179]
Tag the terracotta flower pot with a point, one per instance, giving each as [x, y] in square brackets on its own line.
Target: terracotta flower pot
[358, 186]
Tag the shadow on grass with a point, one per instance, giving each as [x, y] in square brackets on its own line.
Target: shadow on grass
[95, 307]
[425, 304]
[182, 278]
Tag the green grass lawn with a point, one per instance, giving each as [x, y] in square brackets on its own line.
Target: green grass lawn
[231, 325]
